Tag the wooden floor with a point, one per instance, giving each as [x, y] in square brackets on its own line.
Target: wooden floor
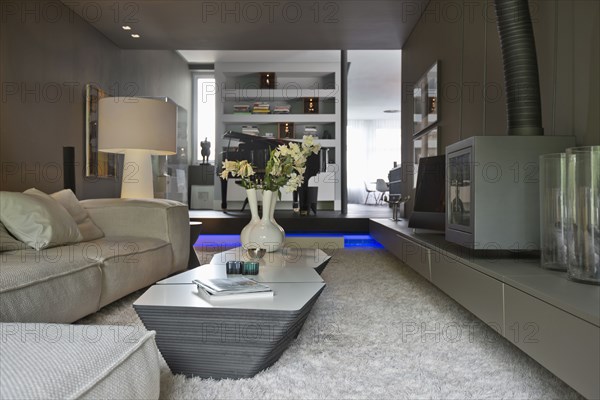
[355, 221]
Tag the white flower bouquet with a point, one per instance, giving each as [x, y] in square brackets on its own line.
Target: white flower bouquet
[243, 169]
[285, 168]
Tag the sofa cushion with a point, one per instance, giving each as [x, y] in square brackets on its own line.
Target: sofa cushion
[129, 263]
[59, 284]
[37, 219]
[88, 229]
[8, 242]
[51, 361]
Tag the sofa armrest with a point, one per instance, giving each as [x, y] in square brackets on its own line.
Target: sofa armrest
[149, 218]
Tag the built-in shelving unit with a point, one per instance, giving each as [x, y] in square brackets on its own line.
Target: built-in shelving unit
[239, 84]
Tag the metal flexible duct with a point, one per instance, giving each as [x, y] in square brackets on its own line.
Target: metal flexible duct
[521, 78]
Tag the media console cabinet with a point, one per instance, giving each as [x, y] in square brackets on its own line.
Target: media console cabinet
[552, 319]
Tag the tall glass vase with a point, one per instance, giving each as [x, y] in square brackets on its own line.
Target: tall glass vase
[583, 214]
[267, 235]
[552, 211]
[254, 220]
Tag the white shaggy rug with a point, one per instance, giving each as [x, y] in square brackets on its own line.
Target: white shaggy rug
[378, 331]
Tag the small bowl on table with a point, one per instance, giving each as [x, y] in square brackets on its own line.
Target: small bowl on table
[255, 254]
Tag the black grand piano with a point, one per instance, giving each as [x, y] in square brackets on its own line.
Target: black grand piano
[256, 149]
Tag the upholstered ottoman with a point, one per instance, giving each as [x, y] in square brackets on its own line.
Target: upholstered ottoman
[56, 361]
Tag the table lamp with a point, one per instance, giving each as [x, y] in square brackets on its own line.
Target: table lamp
[138, 128]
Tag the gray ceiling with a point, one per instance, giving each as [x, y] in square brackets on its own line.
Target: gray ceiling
[254, 25]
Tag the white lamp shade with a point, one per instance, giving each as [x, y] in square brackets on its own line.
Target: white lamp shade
[126, 123]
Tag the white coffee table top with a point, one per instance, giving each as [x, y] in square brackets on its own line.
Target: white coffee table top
[286, 257]
[287, 265]
[287, 297]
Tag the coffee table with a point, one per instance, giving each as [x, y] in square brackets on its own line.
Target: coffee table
[232, 338]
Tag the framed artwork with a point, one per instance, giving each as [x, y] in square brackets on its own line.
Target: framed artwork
[97, 163]
[425, 98]
[424, 145]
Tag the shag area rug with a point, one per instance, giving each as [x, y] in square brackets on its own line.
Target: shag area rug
[378, 331]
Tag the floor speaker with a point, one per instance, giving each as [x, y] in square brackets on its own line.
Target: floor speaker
[69, 168]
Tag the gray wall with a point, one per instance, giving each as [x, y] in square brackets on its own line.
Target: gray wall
[462, 36]
[45, 63]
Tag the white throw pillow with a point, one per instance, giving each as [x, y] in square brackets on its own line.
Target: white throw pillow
[88, 229]
[37, 219]
[8, 242]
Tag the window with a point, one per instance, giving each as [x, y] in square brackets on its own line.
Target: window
[373, 147]
[205, 93]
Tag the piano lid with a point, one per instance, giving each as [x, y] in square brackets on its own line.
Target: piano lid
[259, 140]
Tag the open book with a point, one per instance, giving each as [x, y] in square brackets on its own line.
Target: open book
[235, 287]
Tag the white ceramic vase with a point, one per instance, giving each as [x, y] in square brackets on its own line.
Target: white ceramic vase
[274, 198]
[266, 234]
[254, 220]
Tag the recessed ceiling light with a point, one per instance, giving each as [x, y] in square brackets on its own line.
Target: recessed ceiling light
[135, 35]
[391, 111]
[126, 27]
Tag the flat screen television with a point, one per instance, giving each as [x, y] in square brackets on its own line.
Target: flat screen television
[430, 196]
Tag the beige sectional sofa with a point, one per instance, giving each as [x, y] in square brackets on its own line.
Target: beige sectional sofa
[144, 241]
[42, 292]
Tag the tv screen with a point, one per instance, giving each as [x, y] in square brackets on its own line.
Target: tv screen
[429, 210]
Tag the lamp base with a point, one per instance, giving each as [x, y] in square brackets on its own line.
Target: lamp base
[137, 175]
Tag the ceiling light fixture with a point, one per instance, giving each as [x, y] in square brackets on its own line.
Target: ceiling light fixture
[135, 35]
[126, 27]
[391, 111]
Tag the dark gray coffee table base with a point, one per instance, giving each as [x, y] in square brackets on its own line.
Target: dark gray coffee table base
[222, 342]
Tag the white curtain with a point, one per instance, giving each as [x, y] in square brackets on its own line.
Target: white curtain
[373, 146]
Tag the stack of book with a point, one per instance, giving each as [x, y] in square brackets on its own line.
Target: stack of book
[310, 130]
[261, 108]
[250, 130]
[281, 109]
[241, 109]
[235, 288]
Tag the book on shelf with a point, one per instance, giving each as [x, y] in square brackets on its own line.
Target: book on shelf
[261, 108]
[241, 108]
[235, 288]
[250, 129]
[281, 109]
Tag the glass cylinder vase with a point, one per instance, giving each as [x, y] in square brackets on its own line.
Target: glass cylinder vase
[583, 214]
[553, 243]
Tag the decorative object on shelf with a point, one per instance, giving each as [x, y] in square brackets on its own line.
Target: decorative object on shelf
[286, 130]
[583, 214]
[552, 211]
[326, 134]
[138, 127]
[267, 80]
[311, 105]
[205, 152]
[425, 100]
[97, 163]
